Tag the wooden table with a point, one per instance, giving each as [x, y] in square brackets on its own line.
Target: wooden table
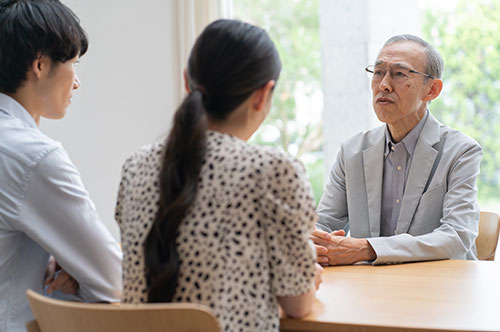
[448, 295]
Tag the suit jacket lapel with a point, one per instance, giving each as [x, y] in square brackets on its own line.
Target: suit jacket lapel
[373, 163]
[422, 164]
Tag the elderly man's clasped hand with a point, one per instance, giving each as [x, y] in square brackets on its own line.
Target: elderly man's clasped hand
[336, 249]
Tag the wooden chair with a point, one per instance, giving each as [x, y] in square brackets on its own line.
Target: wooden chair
[32, 326]
[487, 239]
[61, 316]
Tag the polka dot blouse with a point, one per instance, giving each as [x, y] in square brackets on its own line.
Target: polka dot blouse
[243, 243]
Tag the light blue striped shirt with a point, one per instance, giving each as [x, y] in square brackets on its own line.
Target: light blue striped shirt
[45, 209]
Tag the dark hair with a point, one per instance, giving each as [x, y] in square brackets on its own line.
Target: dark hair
[229, 61]
[31, 28]
[435, 65]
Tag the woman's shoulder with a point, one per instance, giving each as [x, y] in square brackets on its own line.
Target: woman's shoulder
[275, 164]
[262, 156]
[147, 157]
[275, 158]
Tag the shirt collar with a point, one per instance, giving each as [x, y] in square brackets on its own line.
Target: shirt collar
[409, 141]
[10, 106]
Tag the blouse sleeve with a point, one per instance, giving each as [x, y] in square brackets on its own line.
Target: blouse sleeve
[125, 196]
[289, 217]
[124, 182]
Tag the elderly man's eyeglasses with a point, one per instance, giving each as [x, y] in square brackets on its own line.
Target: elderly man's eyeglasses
[398, 74]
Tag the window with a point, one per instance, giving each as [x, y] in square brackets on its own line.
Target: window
[466, 34]
[295, 121]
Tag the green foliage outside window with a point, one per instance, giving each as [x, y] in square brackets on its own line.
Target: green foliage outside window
[294, 123]
[469, 40]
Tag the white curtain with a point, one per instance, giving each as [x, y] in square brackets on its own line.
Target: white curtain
[192, 17]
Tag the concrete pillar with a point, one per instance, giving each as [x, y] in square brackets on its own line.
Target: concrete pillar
[352, 33]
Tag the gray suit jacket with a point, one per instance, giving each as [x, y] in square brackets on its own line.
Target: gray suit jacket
[439, 213]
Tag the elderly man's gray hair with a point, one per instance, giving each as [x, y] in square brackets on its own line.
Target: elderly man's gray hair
[435, 63]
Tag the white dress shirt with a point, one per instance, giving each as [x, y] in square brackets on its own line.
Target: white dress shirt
[45, 209]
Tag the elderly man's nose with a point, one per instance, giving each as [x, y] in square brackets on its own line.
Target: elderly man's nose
[385, 83]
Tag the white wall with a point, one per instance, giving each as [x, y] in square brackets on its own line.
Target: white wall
[127, 94]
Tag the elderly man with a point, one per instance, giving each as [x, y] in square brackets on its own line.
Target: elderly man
[405, 190]
[44, 207]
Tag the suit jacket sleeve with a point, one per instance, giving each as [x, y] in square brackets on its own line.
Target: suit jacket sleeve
[332, 208]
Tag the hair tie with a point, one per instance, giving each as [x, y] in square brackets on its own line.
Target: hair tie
[200, 89]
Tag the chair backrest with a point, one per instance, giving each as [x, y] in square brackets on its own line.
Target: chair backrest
[487, 238]
[61, 316]
[32, 326]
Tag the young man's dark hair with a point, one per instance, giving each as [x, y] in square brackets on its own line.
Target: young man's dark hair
[32, 28]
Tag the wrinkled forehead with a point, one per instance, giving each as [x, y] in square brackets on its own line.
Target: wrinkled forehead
[404, 54]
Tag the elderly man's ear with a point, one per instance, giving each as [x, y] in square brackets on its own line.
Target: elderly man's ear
[435, 90]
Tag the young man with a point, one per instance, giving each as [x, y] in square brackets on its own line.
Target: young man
[44, 207]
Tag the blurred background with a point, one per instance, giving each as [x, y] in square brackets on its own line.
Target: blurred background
[131, 78]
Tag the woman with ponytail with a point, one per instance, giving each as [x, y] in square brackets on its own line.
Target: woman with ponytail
[206, 217]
